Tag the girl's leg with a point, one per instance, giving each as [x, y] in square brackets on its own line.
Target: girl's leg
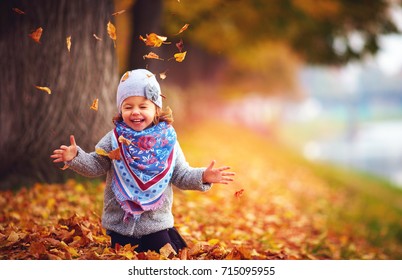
[157, 240]
[117, 238]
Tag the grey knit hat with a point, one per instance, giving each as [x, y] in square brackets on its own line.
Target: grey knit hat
[139, 82]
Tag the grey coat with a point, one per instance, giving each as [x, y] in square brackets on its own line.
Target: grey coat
[184, 177]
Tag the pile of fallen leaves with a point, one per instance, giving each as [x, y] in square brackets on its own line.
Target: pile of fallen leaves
[277, 208]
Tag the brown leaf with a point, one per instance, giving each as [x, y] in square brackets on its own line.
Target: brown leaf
[124, 141]
[239, 193]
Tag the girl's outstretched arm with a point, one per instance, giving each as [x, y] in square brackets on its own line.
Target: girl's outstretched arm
[65, 153]
[217, 175]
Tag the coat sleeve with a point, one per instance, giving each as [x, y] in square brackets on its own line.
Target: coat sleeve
[186, 177]
[92, 164]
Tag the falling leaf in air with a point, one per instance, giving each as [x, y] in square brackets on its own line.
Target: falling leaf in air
[152, 55]
[18, 11]
[118, 13]
[163, 75]
[111, 30]
[184, 28]
[239, 193]
[180, 45]
[36, 34]
[68, 42]
[95, 104]
[97, 37]
[114, 154]
[123, 140]
[154, 40]
[179, 57]
[45, 89]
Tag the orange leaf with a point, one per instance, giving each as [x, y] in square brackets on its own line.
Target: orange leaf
[45, 89]
[125, 76]
[94, 105]
[111, 30]
[68, 42]
[36, 35]
[154, 40]
[184, 28]
[180, 56]
[239, 193]
[167, 250]
[115, 154]
[152, 55]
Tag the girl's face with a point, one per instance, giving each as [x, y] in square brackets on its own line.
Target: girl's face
[138, 112]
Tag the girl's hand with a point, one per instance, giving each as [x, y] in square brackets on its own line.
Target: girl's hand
[65, 153]
[217, 175]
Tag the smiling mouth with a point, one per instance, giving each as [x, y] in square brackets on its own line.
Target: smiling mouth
[137, 121]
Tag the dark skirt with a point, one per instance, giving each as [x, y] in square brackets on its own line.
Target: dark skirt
[153, 241]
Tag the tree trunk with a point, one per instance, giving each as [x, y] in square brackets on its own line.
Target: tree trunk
[147, 18]
[34, 123]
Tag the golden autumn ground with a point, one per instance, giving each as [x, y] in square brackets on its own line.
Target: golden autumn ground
[288, 209]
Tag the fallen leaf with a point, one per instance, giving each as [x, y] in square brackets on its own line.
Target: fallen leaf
[95, 104]
[179, 57]
[36, 35]
[152, 55]
[167, 250]
[111, 30]
[118, 13]
[45, 89]
[239, 193]
[184, 28]
[18, 11]
[154, 40]
[68, 42]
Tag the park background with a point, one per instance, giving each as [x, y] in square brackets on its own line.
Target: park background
[301, 98]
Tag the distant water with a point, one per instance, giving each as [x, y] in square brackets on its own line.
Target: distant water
[374, 147]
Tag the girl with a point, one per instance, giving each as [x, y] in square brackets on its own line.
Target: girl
[142, 160]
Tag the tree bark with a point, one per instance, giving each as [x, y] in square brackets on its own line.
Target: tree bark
[147, 18]
[34, 123]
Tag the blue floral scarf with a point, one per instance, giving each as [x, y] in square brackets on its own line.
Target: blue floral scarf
[145, 167]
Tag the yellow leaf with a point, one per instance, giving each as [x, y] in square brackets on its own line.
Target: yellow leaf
[45, 89]
[13, 237]
[167, 250]
[124, 141]
[180, 56]
[111, 30]
[36, 35]
[101, 152]
[95, 105]
[68, 42]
